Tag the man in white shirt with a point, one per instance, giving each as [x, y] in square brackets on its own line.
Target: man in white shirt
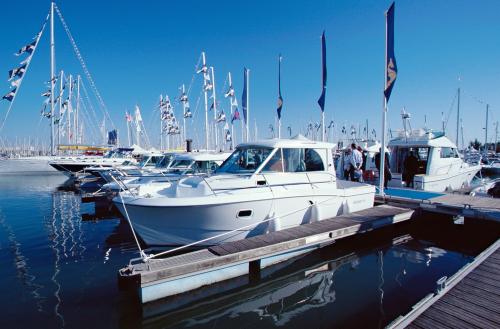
[356, 163]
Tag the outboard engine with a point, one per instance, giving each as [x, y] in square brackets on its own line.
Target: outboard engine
[189, 145]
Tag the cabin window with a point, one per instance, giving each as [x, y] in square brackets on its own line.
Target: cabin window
[245, 160]
[314, 159]
[300, 160]
[399, 155]
[293, 160]
[275, 164]
[448, 152]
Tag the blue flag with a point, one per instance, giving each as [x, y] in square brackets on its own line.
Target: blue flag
[280, 99]
[244, 94]
[321, 100]
[391, 67]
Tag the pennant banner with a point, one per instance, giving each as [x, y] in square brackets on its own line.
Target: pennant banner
[244, 94]
[236, 115]
[28, 48]
[10, 95]
[391, 67]
[280, 99]
[321, 100]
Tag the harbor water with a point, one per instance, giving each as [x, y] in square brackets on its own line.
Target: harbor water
[60, 260]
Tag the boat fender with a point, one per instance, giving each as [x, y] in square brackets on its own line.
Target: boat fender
[315, 212]
[274, 224]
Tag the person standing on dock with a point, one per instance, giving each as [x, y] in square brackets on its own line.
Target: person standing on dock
[346, 164]
[387, 170]
[410, 169]
[356, 163]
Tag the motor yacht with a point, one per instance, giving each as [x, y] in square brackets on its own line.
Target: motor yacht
[262, 186]
[180, 165]
[440, 167]
[74, 164]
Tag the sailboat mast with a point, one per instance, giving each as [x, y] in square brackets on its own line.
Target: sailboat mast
[206, 101]
[127, 120]
[77, 112]
[458, 115]
[68, 107]
[61, 90]
[161, 122]
[184, 114]
[216, 130]
[231, 100]
[486, 128]
[52, 78]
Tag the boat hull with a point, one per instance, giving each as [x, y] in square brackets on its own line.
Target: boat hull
[180, 225]
[440, 183]
[27, 166]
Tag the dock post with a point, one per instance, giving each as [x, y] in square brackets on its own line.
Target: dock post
[254, 270]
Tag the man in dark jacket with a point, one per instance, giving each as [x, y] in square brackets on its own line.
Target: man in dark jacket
[411, 168]
[387, 169]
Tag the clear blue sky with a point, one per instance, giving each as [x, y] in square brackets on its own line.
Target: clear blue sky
[136, 50]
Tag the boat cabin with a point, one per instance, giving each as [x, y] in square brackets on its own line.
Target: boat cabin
[280, 156]
[435, 153]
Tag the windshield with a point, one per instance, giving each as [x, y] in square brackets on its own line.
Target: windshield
[150, 161]
[245, 160]
[165, 161]
[109, 154]
[179, 166]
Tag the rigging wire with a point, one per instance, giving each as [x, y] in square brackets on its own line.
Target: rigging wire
[84, 66]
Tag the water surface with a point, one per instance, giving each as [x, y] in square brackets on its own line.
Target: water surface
[60, 260]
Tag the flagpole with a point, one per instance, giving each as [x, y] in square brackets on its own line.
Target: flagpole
[248, 106]
[231, 98]
[384, 119]
[280, 102]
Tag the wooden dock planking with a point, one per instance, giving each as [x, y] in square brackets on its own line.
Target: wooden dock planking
[450, 204]
[471, 300]
[227, 258]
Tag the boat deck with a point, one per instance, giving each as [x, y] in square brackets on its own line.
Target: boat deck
[158, 278]
[443, 203]
[467, 300]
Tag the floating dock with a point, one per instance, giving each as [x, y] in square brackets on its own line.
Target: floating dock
[449, 204]
[469, 299]
[159, 278]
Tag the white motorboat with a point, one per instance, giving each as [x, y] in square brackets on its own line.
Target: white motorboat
[149, 161]
[74, 164]
[489, 189]
[33, 165]
[192, 163]
[440, 167]
[263, 186]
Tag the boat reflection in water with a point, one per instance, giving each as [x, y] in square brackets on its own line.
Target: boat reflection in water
[379, 275]
[287, 294]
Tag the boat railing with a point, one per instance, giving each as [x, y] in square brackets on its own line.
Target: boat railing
[146, 258]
